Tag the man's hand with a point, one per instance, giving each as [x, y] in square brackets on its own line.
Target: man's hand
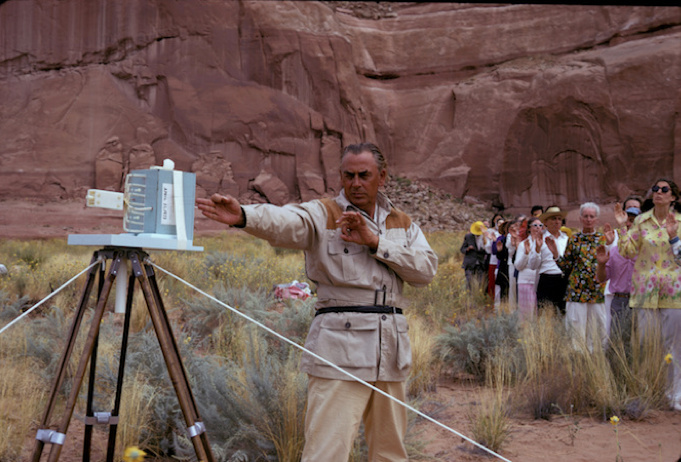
[551, 245]
[620, 215]
[540, 241]
[609, 233]
[602, 255]
[354, 229]
[224, 209]
[672, 225]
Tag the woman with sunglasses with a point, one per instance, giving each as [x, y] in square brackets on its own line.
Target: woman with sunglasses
[656, 281]
[585, 312]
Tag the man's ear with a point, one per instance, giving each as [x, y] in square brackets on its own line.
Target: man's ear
[383, 177]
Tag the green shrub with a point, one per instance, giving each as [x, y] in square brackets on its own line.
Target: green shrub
[468, 348]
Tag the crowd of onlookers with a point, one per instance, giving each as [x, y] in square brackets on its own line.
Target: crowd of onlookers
[592, 276]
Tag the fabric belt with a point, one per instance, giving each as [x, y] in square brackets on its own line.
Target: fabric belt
[621, 294]
[359, 309]
[358, 295]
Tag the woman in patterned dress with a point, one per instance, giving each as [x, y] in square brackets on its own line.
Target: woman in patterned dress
[656, 282]
[586, 315]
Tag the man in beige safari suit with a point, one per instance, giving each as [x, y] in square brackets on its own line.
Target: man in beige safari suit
[359, 251]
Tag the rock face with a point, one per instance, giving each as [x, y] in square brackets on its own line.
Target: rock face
[511, 104]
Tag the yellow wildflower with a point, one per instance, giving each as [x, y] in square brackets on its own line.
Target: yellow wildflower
[133, 454]
[668, 359]
[614, 420]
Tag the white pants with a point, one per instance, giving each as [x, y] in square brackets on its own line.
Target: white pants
[586, 320]
[608, 309]
[668, 322]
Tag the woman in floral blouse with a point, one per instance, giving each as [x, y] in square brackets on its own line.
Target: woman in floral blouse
[585, 310]
[656, 282]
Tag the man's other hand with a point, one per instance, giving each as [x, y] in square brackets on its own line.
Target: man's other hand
[225, 209]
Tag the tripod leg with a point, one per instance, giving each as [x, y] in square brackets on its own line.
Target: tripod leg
[87, 441]
[87, 351]
[157, 296]
[173, 361]
[61, 370]
[121, 370]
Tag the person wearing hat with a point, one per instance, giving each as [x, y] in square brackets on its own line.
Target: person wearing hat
[475, 256]
[490, 240]
[552, 283]
[616, 269]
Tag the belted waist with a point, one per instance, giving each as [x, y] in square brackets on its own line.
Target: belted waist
[621, 294]
[359, 309]
[353, 296]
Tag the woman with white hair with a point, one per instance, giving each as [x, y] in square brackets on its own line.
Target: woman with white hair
[585, 311]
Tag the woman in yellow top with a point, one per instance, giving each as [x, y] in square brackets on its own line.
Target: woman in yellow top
[656, 282]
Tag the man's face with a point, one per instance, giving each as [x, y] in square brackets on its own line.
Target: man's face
[361, 180]
[553, 224]
[628, 204]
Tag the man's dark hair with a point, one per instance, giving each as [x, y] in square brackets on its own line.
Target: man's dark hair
[632, 197]
[369, 147]
[535, 208]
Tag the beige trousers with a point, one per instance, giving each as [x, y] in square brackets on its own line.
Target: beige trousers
[335, 409]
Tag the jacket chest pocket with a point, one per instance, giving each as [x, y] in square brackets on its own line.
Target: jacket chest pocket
[348, 341]
[349, 258]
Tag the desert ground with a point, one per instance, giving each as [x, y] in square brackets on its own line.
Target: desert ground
[564, 438]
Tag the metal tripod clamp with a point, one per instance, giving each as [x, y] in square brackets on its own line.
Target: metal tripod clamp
[50, 436]
[101, 418]
[196, 429]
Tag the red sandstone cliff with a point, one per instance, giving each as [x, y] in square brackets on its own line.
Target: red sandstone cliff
[513, 104]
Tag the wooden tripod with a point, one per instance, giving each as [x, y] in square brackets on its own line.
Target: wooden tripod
[143, 272]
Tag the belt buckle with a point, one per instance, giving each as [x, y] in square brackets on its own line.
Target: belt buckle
[376, 292]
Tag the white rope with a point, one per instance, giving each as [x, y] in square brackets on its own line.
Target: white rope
[276, 334]
[63, 286]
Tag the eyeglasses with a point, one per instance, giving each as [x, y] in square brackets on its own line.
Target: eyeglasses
[664, 189]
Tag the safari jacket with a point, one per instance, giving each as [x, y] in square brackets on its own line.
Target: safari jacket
[371, 346]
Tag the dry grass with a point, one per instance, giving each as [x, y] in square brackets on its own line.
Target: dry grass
[490, 420]
[640, 371]
[543, 373]
[545, 364]
[425, 368]
[19, 410]
[135, 412]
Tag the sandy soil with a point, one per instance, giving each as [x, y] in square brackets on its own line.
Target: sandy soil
[580, 439]
[577, 439]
